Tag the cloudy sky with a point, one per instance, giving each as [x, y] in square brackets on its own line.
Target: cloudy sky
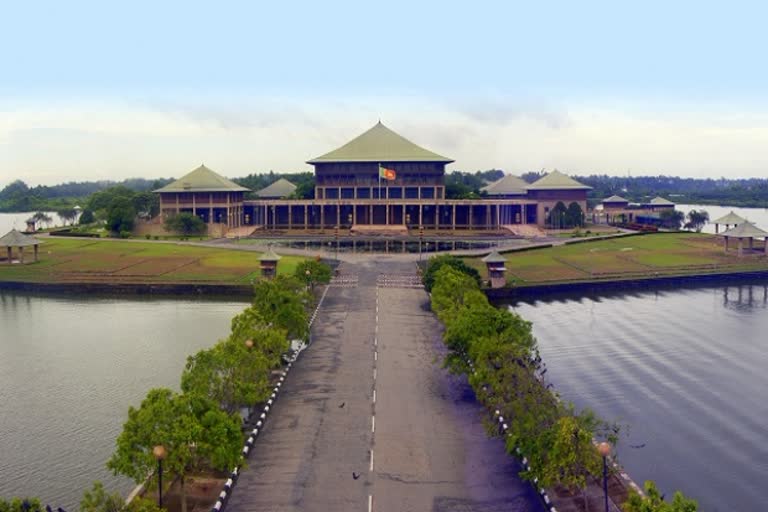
[149, 89]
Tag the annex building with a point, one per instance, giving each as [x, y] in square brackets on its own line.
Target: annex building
[377, 181]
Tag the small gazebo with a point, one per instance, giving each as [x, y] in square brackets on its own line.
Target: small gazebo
[268, 263]
[746, 230]
[496, 270]
[731, 219]
[16, 239]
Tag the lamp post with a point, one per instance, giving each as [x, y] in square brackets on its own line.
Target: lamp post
[605, 450]
[309, 280]
[160, 453]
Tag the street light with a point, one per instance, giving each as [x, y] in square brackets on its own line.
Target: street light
[604, 449]
[249, 344]
[160, 453]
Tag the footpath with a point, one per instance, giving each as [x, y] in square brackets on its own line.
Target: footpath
[369, 419]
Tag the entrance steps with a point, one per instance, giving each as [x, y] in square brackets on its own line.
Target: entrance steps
[525, 230]
[379, 229]
[241, 232]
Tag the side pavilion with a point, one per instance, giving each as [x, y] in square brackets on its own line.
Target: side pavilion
[18, 240]
[746, 230]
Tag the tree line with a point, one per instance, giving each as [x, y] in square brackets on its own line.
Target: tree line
[497, 350]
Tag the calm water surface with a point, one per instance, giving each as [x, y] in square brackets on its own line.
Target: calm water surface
[69, 369]
[686, 369]
[8, 221]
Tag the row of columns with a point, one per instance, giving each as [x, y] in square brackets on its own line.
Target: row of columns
[491, 218]
[21, 254]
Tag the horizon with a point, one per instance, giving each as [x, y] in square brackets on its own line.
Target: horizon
[594, 88]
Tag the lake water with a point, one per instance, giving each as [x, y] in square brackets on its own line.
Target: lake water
[8, 221]
[686, 369]
[69, 369]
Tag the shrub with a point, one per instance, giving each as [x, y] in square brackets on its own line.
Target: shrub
[436, 262]
[185, 224]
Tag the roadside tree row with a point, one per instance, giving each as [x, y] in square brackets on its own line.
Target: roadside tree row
[497, 350]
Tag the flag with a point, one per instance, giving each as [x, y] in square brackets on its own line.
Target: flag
[387, 174]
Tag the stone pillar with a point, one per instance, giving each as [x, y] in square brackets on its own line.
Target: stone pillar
[10, 255]
[21, 254]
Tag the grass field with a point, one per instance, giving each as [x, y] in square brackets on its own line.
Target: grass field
[92, 260]
[623, 258]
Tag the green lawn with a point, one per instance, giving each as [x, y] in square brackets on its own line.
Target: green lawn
[627, 257]
[78, 260]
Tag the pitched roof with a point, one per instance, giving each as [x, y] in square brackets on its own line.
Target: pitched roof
[269, 255]
[380, 144]
[506, 186]
[658, 200]
[278, 189]
[202, 179]
[615, 199]
[17, 239]
[730, 218]
[745, 230]
[494, 257]
[557, 181]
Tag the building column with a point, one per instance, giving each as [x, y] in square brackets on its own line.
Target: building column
[386, 214]
[178, 209]
[370, 216]
[36, 251]
[21, 254]
[498, 217]
[421, 215]
[453, 218]
[741, 248]
[290, 217]
[469, 217]
[338, 214]
[322, 216]
[306, 217]
[10, 255]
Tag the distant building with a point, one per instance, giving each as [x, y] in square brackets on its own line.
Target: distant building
[202, 192]
[378, 179]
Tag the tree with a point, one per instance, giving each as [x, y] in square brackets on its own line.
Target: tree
[231, 374]
[574, 215]
[312, 272]
[654, 501]
[120, 215]
[67, 215]
[20, 505]
[193, 430]
[185, 224]
[98, 500]
[572, 457]
[280, 303]
[557, 215]
[697, 220]
[671, 219]
[436, 262]
[146, 204]
[86, 217]
[43, 218]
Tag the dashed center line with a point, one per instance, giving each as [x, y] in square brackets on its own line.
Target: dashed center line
[373, 423]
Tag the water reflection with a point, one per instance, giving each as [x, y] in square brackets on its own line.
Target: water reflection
[684, 367]
[69, 369]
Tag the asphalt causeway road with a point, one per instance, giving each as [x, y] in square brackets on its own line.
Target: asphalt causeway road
[368, 419]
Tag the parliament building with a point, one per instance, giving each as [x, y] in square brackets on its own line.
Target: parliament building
[378, 181]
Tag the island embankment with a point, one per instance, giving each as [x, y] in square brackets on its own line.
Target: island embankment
[137, 267]
[654, 259]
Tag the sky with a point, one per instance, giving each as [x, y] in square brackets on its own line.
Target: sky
[106, 90]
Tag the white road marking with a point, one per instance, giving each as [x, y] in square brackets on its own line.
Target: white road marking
[371, 460]
[374, 374]
[373, 423]
[375, 356]
[374, 396]
[370, 503]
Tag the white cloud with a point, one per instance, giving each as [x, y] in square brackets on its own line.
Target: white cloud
[113, 140]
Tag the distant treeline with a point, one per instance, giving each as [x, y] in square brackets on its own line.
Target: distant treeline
[19, 197]
[751, 192]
